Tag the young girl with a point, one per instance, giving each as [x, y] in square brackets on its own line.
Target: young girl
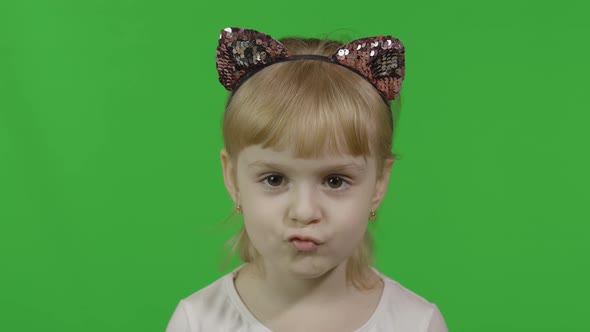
[308, 133]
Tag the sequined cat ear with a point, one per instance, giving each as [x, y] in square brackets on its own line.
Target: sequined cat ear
[242, 52]
[380, 59]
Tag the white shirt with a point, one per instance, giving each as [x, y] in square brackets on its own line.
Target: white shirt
[218, 307]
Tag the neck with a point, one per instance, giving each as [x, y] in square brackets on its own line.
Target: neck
[279, 287]
[278, 298]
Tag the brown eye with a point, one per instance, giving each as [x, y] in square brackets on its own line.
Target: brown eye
[274, 180]
[335, 182]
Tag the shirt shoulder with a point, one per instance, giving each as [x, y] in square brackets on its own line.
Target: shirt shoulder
[406, 311]
[213, 308]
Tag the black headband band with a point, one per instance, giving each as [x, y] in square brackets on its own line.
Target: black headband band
[311, 57]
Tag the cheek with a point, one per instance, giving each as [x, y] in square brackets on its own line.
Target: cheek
[259, 207]
[262, 221]
[350, 220]
[353, 210]
[350, 208]
[352, 226]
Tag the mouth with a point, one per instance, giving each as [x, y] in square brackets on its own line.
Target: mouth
[304, 243]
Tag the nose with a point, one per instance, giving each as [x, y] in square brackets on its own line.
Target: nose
[304, 207]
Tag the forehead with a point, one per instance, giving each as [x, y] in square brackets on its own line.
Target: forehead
[255, 156]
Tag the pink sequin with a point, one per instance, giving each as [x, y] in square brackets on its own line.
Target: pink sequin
[242, 52]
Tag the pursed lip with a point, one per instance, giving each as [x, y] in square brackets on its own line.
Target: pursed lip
[304, 238]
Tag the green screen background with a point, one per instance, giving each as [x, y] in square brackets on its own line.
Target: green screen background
[112, 201]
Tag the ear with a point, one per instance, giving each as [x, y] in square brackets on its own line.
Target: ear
[228, 175]
[382, 184]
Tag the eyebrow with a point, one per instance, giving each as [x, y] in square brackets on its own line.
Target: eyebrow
[335, 167]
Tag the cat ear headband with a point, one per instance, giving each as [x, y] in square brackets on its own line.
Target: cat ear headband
[243, 52]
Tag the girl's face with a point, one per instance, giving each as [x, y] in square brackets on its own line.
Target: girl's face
[304, 216]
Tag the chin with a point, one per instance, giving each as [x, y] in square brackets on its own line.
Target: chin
[310, 267]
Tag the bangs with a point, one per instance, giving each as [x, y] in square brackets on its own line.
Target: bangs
[312, 107]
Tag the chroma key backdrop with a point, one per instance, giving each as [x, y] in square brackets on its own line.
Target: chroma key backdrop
[112, 203]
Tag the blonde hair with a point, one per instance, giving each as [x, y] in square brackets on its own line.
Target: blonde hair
[339, 110]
